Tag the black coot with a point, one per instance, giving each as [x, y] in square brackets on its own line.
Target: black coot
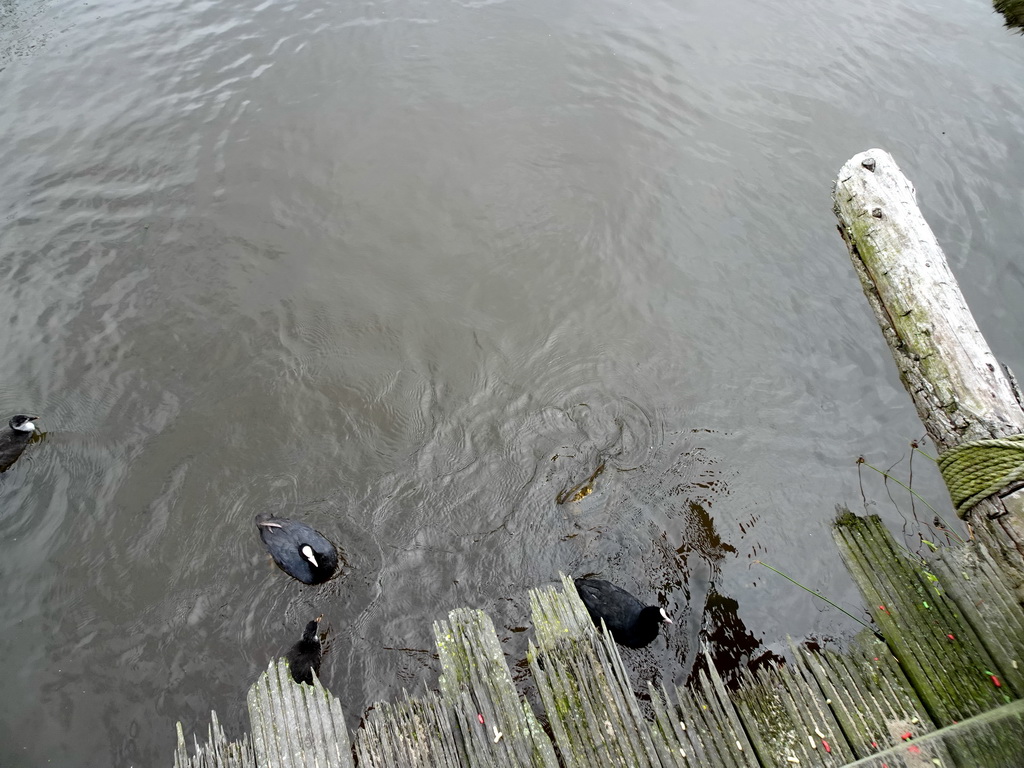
[15, 438]
[304, 657]
[631, 623]
[297, 549]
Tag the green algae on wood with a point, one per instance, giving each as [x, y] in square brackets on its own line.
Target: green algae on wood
[873, 701]
[935, 645]
[986, 595]
[498, 727]
[789, 720]
[583, 684]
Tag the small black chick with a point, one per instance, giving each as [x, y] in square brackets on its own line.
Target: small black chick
[15, 438]
[304, 657]
[298, 550]
[631, 623]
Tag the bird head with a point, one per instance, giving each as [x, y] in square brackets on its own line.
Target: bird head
[23, 423]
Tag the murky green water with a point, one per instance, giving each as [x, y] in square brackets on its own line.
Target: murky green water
[409, 271]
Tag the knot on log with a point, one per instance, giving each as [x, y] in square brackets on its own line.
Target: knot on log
[977, 469]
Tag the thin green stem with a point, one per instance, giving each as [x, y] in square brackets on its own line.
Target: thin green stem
[819, 595]
[923, 453]
[919, 497]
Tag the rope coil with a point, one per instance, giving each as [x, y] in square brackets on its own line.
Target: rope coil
[977, 469]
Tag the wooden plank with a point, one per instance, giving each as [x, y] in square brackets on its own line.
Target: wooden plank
[874, 703]
[217, 752]
[586, 691]
[670, 735]
[712, 706]
[936, 647]
[414, 733]
[706, 726]
[497, 727]
[992, 739]
[295, 725]
[788, 720]
[987, 598]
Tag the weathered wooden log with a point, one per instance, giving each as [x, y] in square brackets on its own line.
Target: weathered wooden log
[961, 391]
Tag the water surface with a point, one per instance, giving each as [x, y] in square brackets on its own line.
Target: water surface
[410, 271]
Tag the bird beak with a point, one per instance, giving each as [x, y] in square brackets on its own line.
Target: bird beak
[317, 619]
[307, 552]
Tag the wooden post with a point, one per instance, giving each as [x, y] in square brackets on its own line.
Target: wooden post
[961, 391]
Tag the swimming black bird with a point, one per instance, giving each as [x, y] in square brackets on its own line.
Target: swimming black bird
[631, 623]
[15, 438]
[304, 657]
[297, 549]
